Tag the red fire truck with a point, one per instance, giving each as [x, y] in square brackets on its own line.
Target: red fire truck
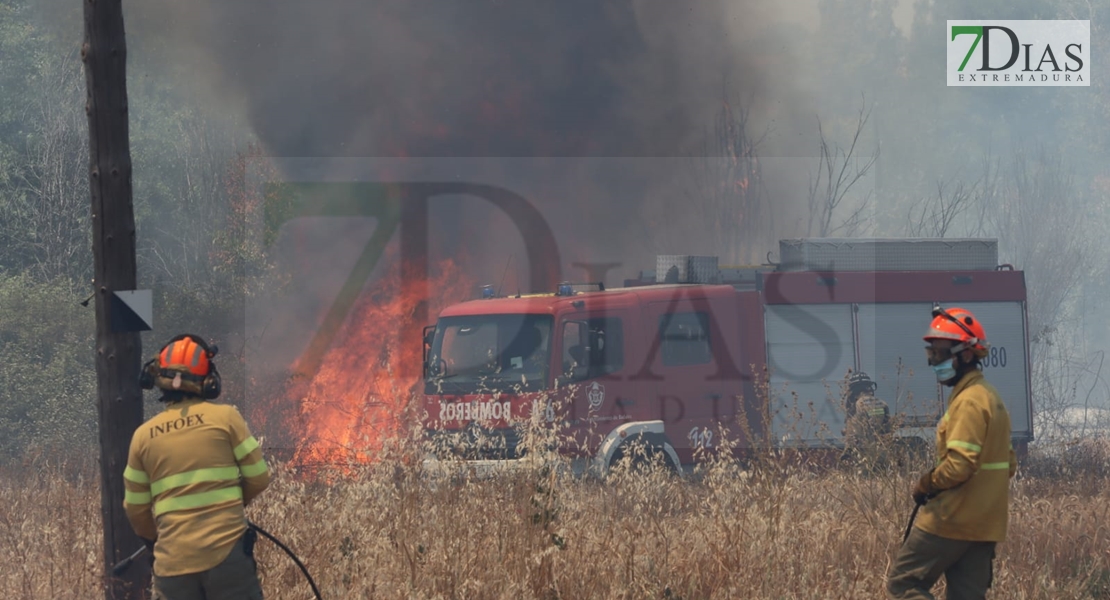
[680, 355]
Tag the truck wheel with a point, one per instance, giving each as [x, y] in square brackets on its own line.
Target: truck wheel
[643, 458]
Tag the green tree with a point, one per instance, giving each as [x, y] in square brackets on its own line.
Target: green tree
[46, 364]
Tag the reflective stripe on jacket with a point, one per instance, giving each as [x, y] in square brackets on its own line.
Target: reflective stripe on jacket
[871, 406]
[190, 472]
[974, 465]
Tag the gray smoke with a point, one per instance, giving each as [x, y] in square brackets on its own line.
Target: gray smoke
[492, 78]
[476, 78]
[483, 78]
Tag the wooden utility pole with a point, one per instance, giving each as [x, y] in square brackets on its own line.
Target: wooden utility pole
[118, 354]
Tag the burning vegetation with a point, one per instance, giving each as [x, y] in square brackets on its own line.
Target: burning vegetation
[368, 379]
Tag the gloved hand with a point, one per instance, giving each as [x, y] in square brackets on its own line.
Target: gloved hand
[149, 550]
[924, 490]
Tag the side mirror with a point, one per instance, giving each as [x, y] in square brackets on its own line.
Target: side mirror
[429, 337]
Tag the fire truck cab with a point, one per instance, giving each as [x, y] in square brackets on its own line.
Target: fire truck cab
[680, 356]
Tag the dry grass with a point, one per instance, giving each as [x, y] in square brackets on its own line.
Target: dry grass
[388, 531]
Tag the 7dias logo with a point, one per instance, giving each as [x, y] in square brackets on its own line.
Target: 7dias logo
[1034, 53]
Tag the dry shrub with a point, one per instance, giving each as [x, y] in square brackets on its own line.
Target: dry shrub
[50, 533]
[766, 529]
[1083, 459]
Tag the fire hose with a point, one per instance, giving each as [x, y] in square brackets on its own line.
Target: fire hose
[125, 564]
[909, 526]
[913, 515]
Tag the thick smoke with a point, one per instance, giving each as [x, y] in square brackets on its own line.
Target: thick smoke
[479, 78]
[490, 78]
[484, 78]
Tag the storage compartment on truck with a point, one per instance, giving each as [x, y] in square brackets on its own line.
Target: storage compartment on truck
[876, 254]
[812, 347]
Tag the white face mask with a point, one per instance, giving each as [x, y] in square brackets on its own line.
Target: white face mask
[945, 370]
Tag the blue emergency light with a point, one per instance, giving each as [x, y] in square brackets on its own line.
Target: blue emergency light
[487, 291]
[565, 289]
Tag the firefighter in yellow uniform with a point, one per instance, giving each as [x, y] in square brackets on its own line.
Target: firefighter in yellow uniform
[190, 472]
[965, 498]
[867, 430]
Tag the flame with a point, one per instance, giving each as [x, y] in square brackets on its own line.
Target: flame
[371, 373]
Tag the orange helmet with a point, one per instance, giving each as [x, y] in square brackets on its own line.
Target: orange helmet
[185, 354]
[184, 365]
[958, 325]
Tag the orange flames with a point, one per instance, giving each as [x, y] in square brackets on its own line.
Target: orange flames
[371, 373]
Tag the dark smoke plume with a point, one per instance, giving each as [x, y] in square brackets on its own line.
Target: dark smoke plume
[480, 78]
[463, 78]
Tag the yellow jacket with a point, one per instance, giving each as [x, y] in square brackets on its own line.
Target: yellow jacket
[974, 466]
[190, 472]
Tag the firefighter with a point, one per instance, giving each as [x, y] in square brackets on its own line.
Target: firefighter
[190, 472]
[867, 429]
[964, 500]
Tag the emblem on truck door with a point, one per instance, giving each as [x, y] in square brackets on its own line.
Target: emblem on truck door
[596, 394]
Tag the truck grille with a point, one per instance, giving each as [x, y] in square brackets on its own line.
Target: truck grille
[474, 443]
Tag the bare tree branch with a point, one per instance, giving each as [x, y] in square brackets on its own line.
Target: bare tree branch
[938, 213]
[728, 187]
[838, 171]
[958, 202]
[1042, 226]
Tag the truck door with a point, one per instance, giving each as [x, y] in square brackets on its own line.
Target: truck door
[686, 389]
[810, 349]
[892, 352]
[597, 352]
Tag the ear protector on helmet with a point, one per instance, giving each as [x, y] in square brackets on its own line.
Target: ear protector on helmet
[178, 377]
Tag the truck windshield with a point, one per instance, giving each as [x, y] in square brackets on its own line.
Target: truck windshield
[479, 353]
